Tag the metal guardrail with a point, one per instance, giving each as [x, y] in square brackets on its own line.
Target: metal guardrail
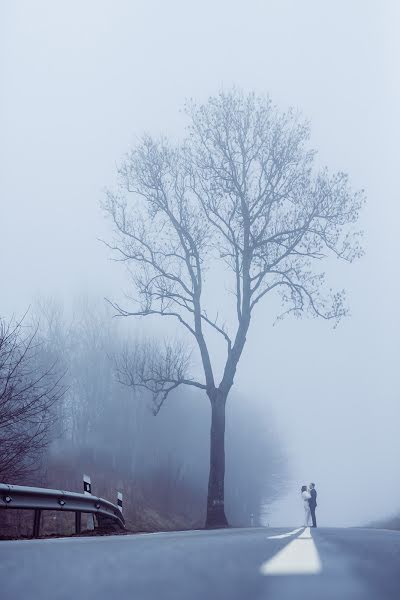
[38, 499]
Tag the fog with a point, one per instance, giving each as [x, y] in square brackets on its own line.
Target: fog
[81, 81]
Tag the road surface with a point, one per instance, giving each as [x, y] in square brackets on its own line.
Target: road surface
[245, 564]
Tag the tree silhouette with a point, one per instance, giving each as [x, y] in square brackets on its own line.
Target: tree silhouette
[243, 190]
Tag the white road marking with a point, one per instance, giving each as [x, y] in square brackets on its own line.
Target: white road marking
[299, 557]
[284, 535]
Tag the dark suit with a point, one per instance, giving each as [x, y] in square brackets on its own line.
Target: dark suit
[313, 505]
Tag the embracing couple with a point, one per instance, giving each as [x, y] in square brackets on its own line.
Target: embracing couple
[310, 504]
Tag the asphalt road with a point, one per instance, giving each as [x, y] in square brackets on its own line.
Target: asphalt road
[245, 564]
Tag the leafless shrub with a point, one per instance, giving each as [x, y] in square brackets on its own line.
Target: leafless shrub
[29, 389]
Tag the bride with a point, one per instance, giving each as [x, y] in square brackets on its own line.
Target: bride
[305, 494]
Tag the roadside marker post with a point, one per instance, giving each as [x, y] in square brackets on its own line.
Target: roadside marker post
[119, 500]
[87, 490]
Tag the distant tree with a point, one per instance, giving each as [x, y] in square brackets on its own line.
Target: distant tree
[241, 190]
[29, 389]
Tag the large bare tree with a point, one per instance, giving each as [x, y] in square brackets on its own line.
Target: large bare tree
[241, 189]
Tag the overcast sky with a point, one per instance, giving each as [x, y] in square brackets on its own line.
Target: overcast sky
[81, 79]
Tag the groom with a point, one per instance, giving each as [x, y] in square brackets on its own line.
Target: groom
[313, 503]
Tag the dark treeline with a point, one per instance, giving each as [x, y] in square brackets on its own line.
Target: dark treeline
[161, 463]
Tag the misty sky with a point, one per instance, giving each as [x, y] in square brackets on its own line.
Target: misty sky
[81, 80]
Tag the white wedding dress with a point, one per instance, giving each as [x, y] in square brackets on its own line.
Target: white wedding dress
[307, 513]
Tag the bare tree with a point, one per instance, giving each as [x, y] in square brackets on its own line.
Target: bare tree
[242, 189]
[29, 388]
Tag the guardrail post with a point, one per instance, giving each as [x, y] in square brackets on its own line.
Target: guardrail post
[36, 522]
[78, 522]
[119, 500]
[87, 490]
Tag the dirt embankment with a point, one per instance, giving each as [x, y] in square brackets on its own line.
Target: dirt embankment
[18, 524]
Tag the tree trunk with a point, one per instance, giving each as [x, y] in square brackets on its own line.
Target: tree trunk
[215, 501]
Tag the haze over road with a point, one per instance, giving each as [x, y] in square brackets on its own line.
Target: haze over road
[225, 564]
[81, 81]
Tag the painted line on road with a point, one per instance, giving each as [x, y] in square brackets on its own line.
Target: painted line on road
[299, 557]
[284, 535]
